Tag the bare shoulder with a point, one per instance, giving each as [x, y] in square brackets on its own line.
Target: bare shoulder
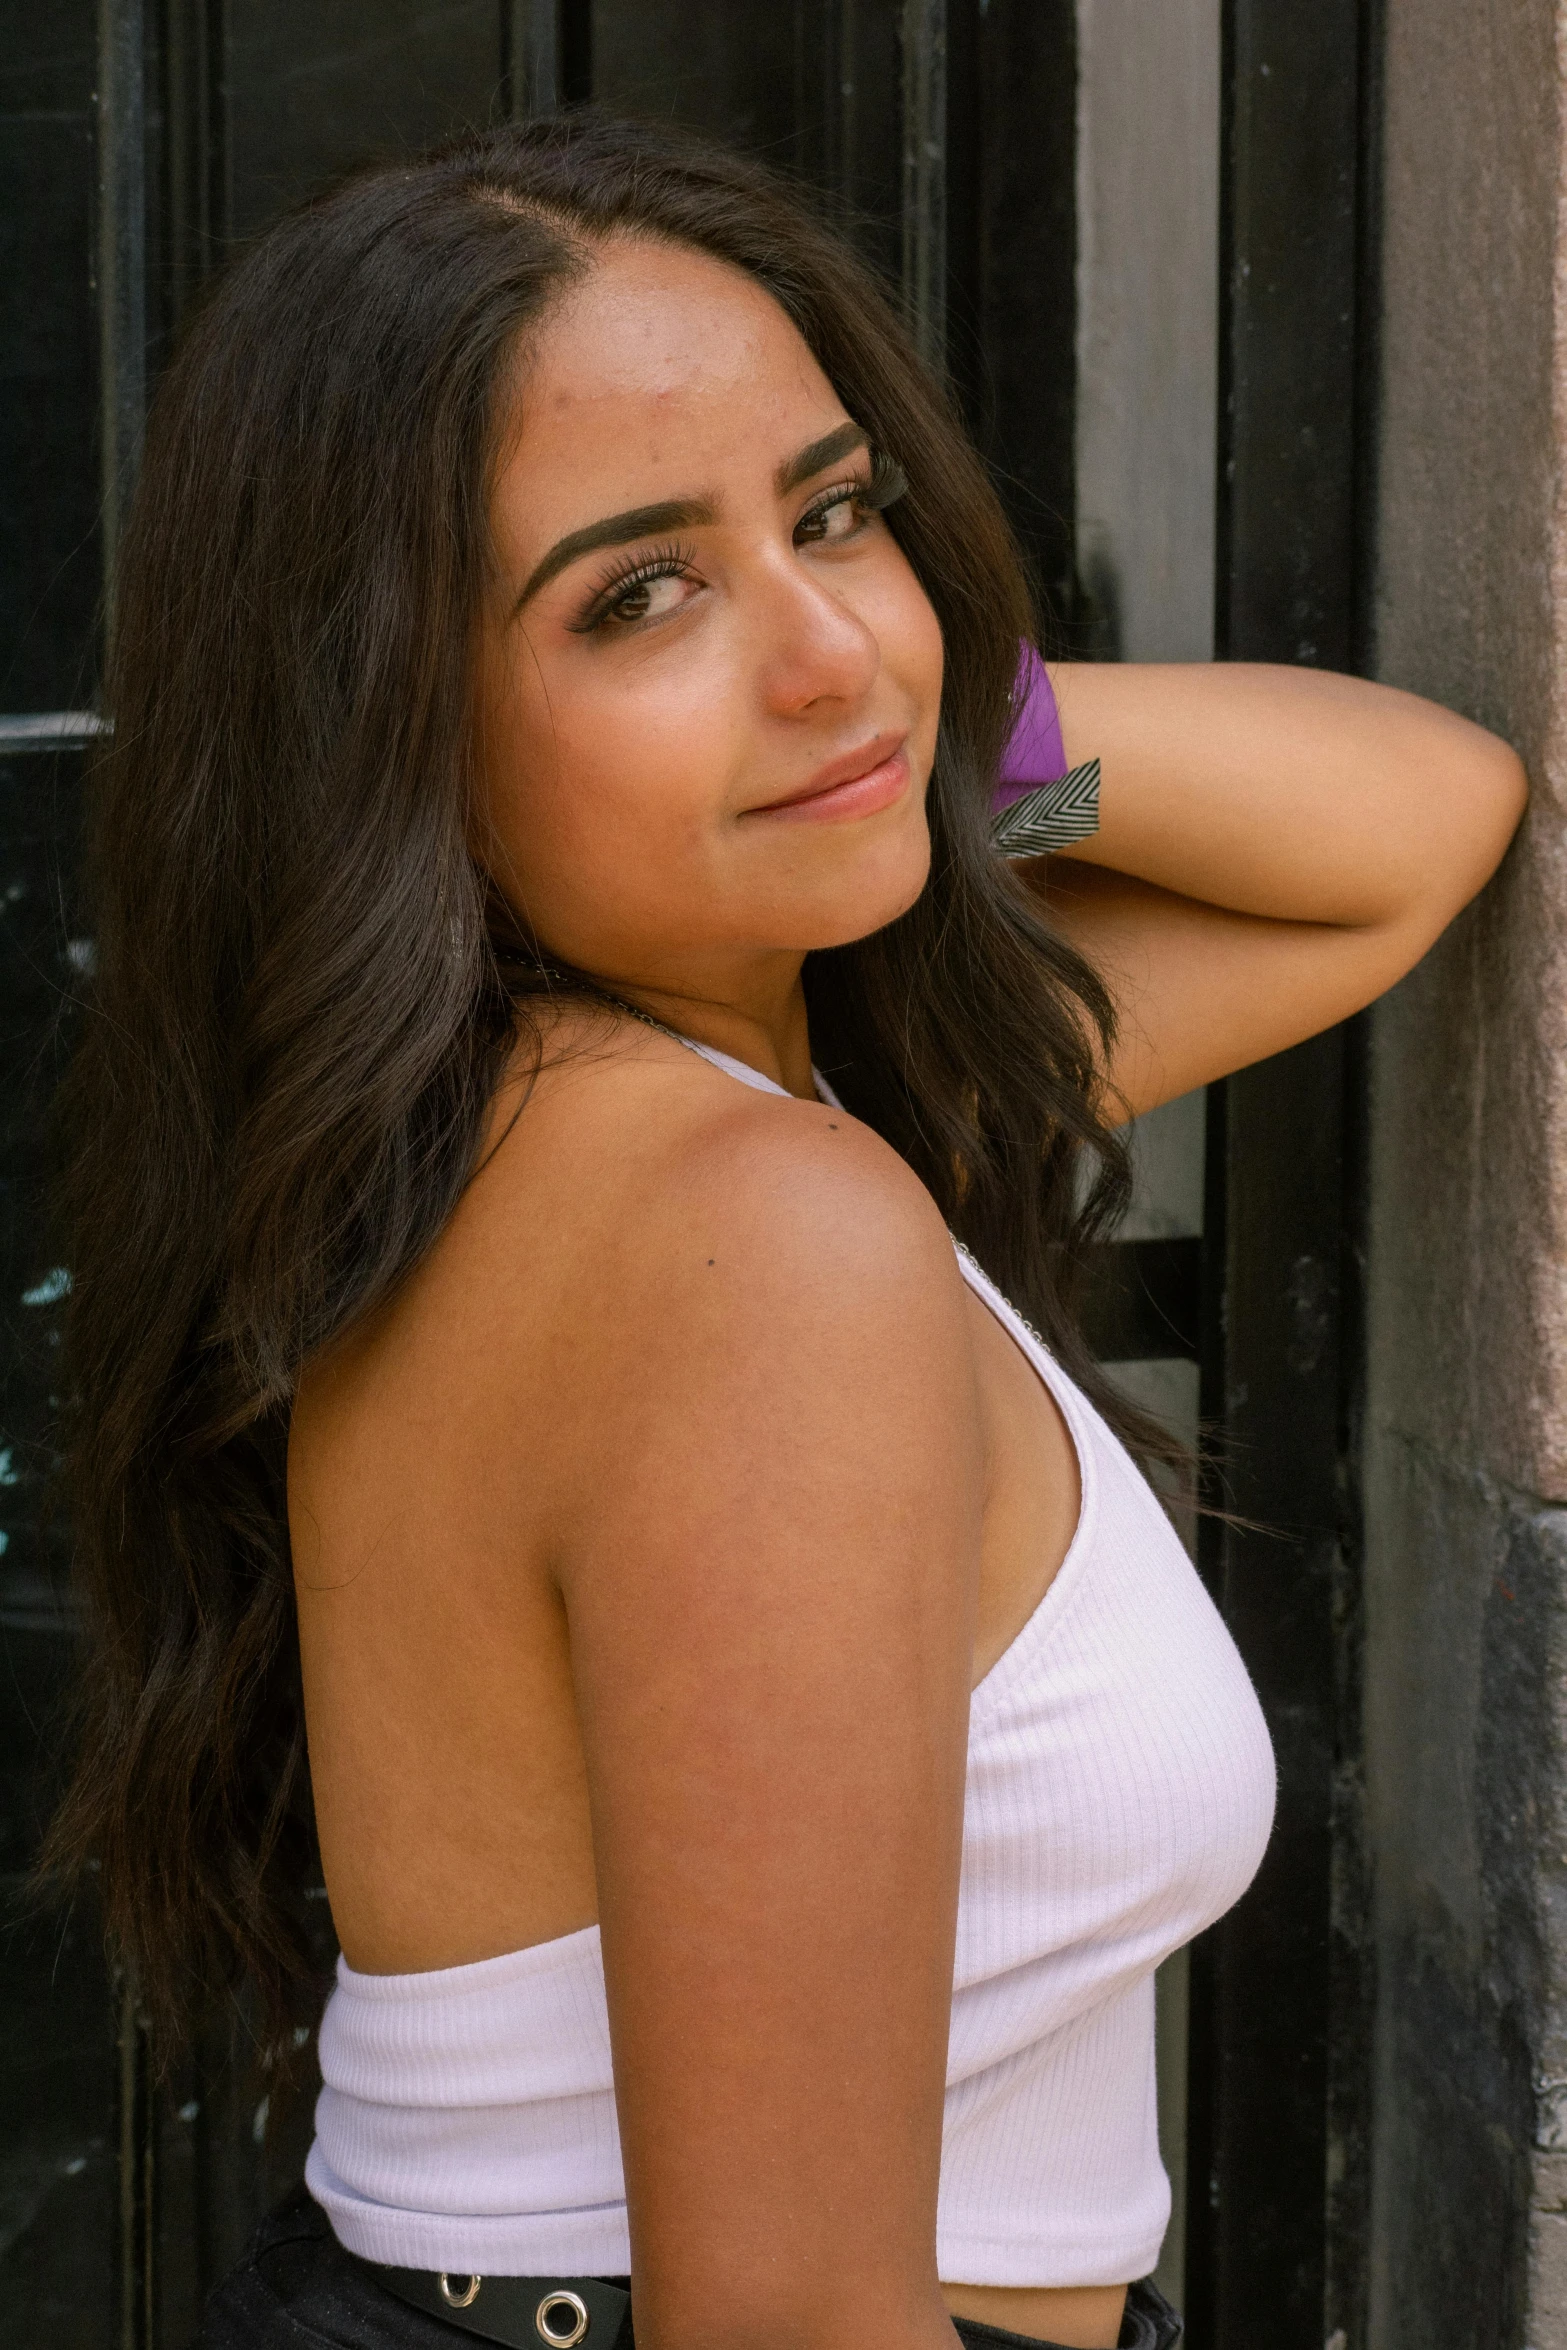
[670, 1223]
[641, 1150]
[791, 1190]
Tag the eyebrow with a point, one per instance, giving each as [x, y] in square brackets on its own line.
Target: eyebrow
[643, 522]
[818, 455]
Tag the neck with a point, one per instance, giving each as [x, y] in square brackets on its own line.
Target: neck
[777, 1043]
[758, 1016]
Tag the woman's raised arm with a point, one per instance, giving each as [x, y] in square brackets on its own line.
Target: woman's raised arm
[1276, 847]
[771, 1627]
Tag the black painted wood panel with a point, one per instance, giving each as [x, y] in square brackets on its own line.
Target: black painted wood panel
[59, 2178]
[58, 2169]
[313, 89]
[1278, 2005]
[1012, 244]
[49, 555]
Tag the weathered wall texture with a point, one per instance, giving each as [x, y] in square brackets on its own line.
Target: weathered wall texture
[1148, 320]
[1466, 1434]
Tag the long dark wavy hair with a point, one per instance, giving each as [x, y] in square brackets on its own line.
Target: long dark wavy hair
[304, 1001]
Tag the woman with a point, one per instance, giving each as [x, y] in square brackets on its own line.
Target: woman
[763, 1734]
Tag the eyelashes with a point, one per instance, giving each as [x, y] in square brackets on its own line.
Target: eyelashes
[668, 561]
[888, 483]
[618, 588]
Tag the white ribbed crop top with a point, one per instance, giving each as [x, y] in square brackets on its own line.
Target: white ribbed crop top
[1119, 1796]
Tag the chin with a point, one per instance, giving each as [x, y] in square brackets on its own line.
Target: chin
[871, 897]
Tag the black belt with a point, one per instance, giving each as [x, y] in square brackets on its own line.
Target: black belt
[524, 2313]
[563, 2313]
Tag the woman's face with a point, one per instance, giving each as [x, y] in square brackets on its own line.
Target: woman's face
[709, 682]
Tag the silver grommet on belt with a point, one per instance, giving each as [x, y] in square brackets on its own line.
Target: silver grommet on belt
[561, 2319]
[466, 2298]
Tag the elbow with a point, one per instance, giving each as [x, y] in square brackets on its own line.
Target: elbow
[1486, 805]
[1465, 829]
[1509, 788]
[1500, 797]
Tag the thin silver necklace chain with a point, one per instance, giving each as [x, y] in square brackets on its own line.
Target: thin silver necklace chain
[618, 1003]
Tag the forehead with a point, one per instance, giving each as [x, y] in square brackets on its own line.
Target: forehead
[658, 361]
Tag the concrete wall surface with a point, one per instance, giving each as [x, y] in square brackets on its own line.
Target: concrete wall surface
[1145, 461]
[1147, 320]
[1466, 1421]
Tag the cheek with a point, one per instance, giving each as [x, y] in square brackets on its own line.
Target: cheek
[586, 769]
[574, 750]
[909, 635]
[928, 654]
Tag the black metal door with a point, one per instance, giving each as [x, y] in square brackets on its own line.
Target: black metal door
[141, 141]
[1281, 1989]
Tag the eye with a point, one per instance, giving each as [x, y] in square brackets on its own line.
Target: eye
[839, 513]
[649, 597]
[843, 511]
[639, 592]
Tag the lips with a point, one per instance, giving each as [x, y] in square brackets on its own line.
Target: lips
[857, 784]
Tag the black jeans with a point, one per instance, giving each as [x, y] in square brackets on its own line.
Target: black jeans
[297, 2289]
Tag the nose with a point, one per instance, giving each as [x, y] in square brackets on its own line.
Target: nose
[814, 648]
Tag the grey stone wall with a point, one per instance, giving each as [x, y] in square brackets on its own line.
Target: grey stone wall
[1466, 1430]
